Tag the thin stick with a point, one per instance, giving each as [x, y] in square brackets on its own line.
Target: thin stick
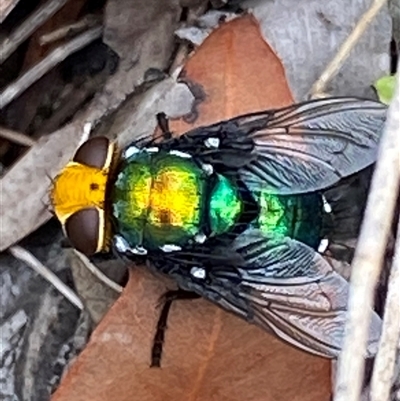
[98, 273]
[6, 6]
[55, 57]
[385, 361]
[16, 137]
[25, 30]
[369, 256]
[26, 257]
[71, 29]
[336, 63]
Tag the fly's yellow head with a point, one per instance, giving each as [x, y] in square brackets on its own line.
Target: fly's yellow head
[79, 196]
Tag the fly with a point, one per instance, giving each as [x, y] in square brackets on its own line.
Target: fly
[234, 212]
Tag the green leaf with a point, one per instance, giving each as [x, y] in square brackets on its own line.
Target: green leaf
[385, 88]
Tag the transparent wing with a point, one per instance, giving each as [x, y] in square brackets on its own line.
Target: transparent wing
[304, 301]
[279, 284]
[301, 148]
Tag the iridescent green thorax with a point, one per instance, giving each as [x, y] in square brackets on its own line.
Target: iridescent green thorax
[295, 216]
[165, 199]
[158, 199]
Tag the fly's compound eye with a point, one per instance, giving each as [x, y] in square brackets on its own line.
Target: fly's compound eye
[85, 230]
[94, 152]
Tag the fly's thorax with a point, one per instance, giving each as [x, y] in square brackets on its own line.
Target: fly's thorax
[158, 199]
[295, 216]
[163, 198]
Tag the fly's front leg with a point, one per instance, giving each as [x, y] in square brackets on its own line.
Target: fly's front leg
[167, 299]
[163, 124]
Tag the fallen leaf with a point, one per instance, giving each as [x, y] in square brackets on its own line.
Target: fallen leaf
[197, 32]
[94, 292]
[208, 354]
[307, 34]
[234, 72]
[385, 88]
[175, 99]
[142, 34]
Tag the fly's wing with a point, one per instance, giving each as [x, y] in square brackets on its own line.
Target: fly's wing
[301, 148]
[277, 283]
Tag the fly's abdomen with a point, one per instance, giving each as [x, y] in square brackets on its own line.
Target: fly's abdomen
[158, 199]
[295, 216]
[225, 205]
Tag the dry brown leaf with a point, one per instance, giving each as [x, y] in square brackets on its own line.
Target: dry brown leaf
[234, 72]
[208, 353]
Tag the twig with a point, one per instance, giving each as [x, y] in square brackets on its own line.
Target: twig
[98, 273]
[25, 256]
[16, 137]
[6, 6]
[385, 361]
[25, 30]
[369, 256]
[317, 90]
[56, 56]
[179, 58]
[71, 29]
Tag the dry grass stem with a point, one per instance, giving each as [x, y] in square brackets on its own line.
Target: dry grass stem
[16, 137]
[6, 6]
[85, 23]
[26, 29]
[384, 367]
[98, 273]
[369, 256]
[332, 68]
[26, 257]
[55, 57]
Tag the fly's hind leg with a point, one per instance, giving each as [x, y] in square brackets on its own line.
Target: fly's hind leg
[167, 299]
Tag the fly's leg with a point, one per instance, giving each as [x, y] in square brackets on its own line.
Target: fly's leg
[167, 298]
[163, 124]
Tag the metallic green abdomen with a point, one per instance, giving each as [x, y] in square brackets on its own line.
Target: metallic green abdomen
[295, 216]
[225, 206]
